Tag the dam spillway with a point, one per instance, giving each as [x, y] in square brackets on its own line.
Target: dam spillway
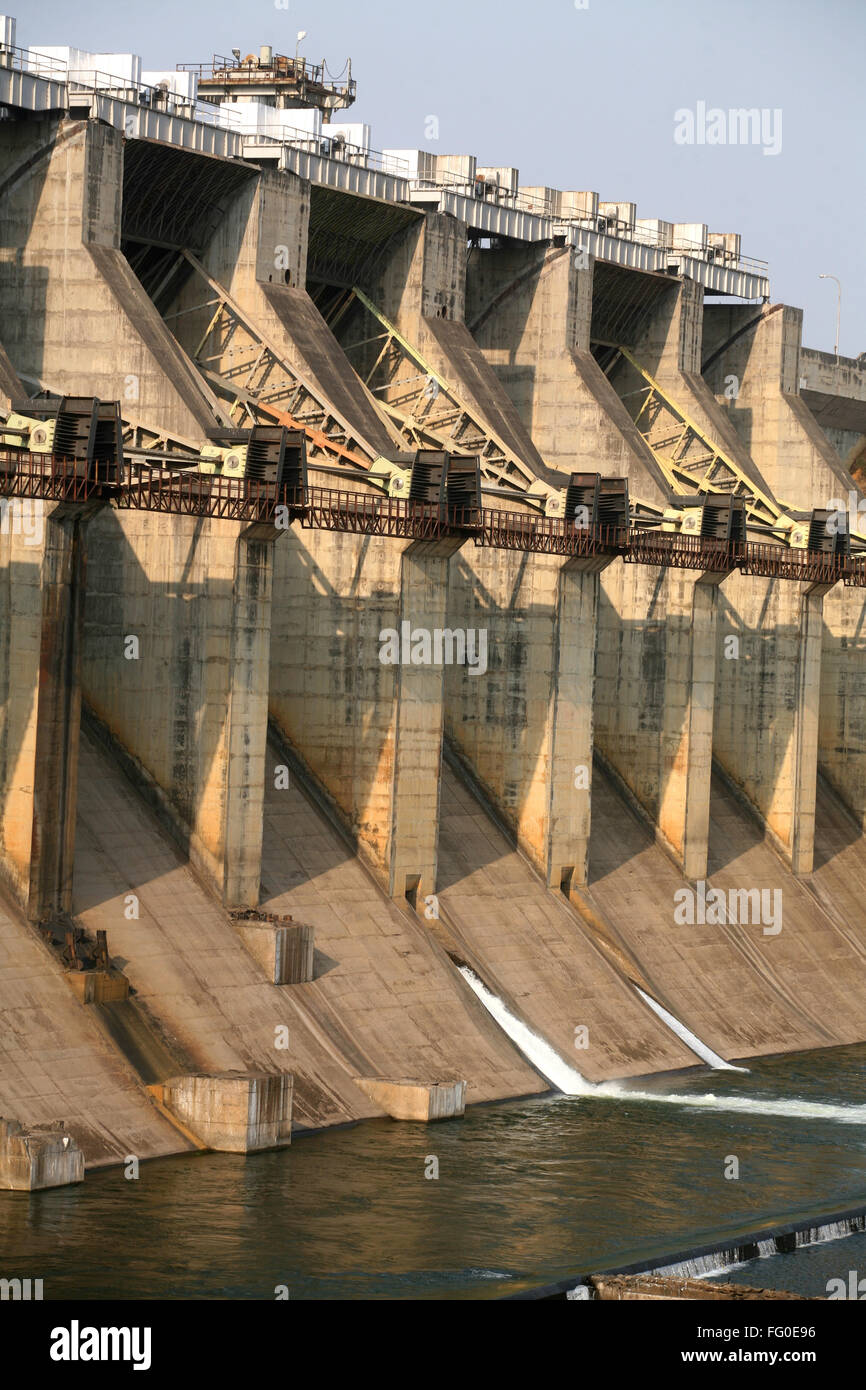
[388, 579]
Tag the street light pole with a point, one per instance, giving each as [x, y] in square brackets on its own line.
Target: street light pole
[838, 305]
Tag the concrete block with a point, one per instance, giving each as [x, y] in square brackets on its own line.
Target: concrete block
[36, 1158]
[503, 179]
[284, 950]
[233, 1111]
[690, 236]
[543, 201]
[416, 1100]
[623, 214]
[578, 204]
[98, 986]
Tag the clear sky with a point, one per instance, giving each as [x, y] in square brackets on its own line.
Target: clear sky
[583, 94]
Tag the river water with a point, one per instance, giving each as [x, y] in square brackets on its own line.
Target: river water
[527, 1194]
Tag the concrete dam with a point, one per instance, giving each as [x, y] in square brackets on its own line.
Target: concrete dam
[408, 577]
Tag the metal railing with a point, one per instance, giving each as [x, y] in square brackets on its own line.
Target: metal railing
[222, 114]
[856, 574]
[476, 187]
[190, 493]
[677, 551]
[808, 566]
[367, 513]
[98, 82]
[327, 146]
[187, 492]
[37, 65]
[546, 535]
[281, 68]
[41, 476]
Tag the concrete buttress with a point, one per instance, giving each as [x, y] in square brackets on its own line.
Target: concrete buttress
[530, 310]
[75, 317]
[422, 290]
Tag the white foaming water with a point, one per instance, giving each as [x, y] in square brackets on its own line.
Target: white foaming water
[542, 1056]
[747, 1105]
[691, 1040]
[569, 1081]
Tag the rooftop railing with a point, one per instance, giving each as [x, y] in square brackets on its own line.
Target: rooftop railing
[452, 181]
[21, 60]
[327, 146]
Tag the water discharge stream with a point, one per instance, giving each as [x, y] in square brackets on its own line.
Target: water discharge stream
[691, 1040]
[570, 1082]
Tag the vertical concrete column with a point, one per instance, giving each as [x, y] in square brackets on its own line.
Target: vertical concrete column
[357, 689]
[176, 671]
[808, 715]
[842, 717]
[524, 730]
[685, 810]
[766, 723]
[246, 737]
[412, 851]
[655, 688]
[41, 607]
[571, 745]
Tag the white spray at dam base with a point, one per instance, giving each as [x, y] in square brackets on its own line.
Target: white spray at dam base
[567, 1079]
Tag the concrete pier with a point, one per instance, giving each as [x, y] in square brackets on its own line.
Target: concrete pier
[537, 313]
[258, 256]
[668, 342]
[41, 612]
[422, 290]
[285, 951]
[409, 1100]
[35, 1159]
[752, 364]
[235, 1112]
